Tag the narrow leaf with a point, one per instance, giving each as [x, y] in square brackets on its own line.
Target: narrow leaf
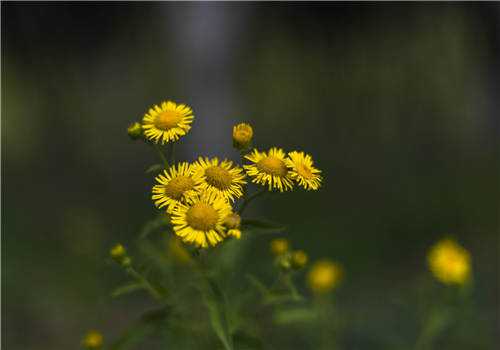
[126, 289]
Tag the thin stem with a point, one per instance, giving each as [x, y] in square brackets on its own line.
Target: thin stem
[162, 156]
[172, 154]
[145, 283]
[251, 198]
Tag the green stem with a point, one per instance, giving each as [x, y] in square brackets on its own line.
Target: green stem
[251, 198]
[172, 154]
[145, 283]
[162, 156]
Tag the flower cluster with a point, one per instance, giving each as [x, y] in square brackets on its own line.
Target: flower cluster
[200, 197]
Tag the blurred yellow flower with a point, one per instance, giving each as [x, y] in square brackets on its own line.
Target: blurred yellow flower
[302, 170]
[222, 177]
[279, 246]
[176, 185]
[201, 221]
[242, 136]
[299, 259]
[92, 340]
[449, 262]
[324, 276]
[269, 169]
[167, 123]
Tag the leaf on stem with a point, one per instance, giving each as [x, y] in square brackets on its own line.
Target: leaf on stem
[216, 303]
[155, 168]
[126, 289]
[263, 226]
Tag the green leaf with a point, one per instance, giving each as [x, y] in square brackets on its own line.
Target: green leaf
[254, 281]
[155, 168]
[216, 303]
[126, 289]
[295, 315]
[262, 226]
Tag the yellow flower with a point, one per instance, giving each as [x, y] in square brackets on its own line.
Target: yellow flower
[324, 276]
[279, 246]
[449, 262]
[242, 136]
[299, 259]
[167, 123]
[176, 185]
[269, 169]
[302, 170]
[201, 221]
[92, 340]
[224, 178]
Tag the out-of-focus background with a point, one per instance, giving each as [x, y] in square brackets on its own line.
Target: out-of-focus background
[398, 104]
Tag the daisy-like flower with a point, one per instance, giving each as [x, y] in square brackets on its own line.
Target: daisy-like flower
[269, 168]
[167, 123]
[201, 221]
[176, 185]
[222, 177]
[301, 169]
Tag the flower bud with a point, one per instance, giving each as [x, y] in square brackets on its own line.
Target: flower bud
[119, 254]
[242, 136]
[92, 340]
[298, 259]
[279, 246]
[232, 221]
[284, 262]
[135, 131]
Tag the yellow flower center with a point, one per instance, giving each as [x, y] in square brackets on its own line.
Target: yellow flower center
[202, 216]
[177, 186]
[167, 119]
[304, 171]
[272, 166]
[218, 177]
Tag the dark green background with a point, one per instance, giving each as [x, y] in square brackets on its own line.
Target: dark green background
[398, 104]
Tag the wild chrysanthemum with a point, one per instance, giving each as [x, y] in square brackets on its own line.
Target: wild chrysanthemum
[167, 123]
[449, 262]
[301, 169]
[201, 221]
[324, 276]
[222, 177]
[176, 185]
[242, 136]
[269, 168]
